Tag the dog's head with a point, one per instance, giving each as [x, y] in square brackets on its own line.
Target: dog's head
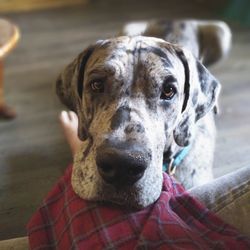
[134, 97]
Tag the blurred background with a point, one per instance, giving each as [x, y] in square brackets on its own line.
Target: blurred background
[33, 152]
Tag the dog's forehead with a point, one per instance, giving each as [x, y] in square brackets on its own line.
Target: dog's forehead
[126, 53]
[132, 43]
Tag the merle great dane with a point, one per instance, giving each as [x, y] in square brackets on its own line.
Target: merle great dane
[141, 98]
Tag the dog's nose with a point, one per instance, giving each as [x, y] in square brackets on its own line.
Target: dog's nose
[121, 167]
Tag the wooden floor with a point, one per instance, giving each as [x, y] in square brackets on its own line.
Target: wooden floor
[33, 153]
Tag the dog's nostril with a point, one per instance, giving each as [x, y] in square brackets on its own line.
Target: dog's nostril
[107, 170]
[135, 171]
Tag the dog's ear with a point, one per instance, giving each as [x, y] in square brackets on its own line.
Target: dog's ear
[201, 92]
[69, 87]
[69, 84]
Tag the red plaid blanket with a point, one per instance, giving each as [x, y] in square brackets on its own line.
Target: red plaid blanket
[175, 221]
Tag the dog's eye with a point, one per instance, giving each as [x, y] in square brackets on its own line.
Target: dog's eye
[97, 86]
[168, 91]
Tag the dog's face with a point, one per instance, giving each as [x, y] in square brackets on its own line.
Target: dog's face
[134, 97]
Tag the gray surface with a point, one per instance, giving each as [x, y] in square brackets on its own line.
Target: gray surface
[33, 153]
[228, 197]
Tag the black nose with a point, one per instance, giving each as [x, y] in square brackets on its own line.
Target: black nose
[121, 167]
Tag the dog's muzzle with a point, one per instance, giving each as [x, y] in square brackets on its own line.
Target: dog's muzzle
[122, 164]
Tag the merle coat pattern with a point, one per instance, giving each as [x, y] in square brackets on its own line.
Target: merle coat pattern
[139, 100]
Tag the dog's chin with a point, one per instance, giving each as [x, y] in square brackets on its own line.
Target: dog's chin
[90, 186]
[136, 196]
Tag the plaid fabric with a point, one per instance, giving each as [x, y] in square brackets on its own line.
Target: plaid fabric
[175, 221]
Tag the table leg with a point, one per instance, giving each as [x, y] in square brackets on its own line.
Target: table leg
[6, 112]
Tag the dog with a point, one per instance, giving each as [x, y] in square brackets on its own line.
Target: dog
[142, 98]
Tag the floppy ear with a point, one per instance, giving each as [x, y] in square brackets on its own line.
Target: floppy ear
[201, 92]
[69, 88]
[70, 80]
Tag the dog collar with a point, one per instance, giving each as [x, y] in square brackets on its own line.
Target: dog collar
[175, 161]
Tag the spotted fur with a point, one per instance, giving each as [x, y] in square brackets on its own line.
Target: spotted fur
[130, 110]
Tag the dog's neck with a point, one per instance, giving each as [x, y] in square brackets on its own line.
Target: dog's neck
[173, 157]
[170, 152]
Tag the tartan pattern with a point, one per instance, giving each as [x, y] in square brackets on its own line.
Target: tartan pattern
[175, 221]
